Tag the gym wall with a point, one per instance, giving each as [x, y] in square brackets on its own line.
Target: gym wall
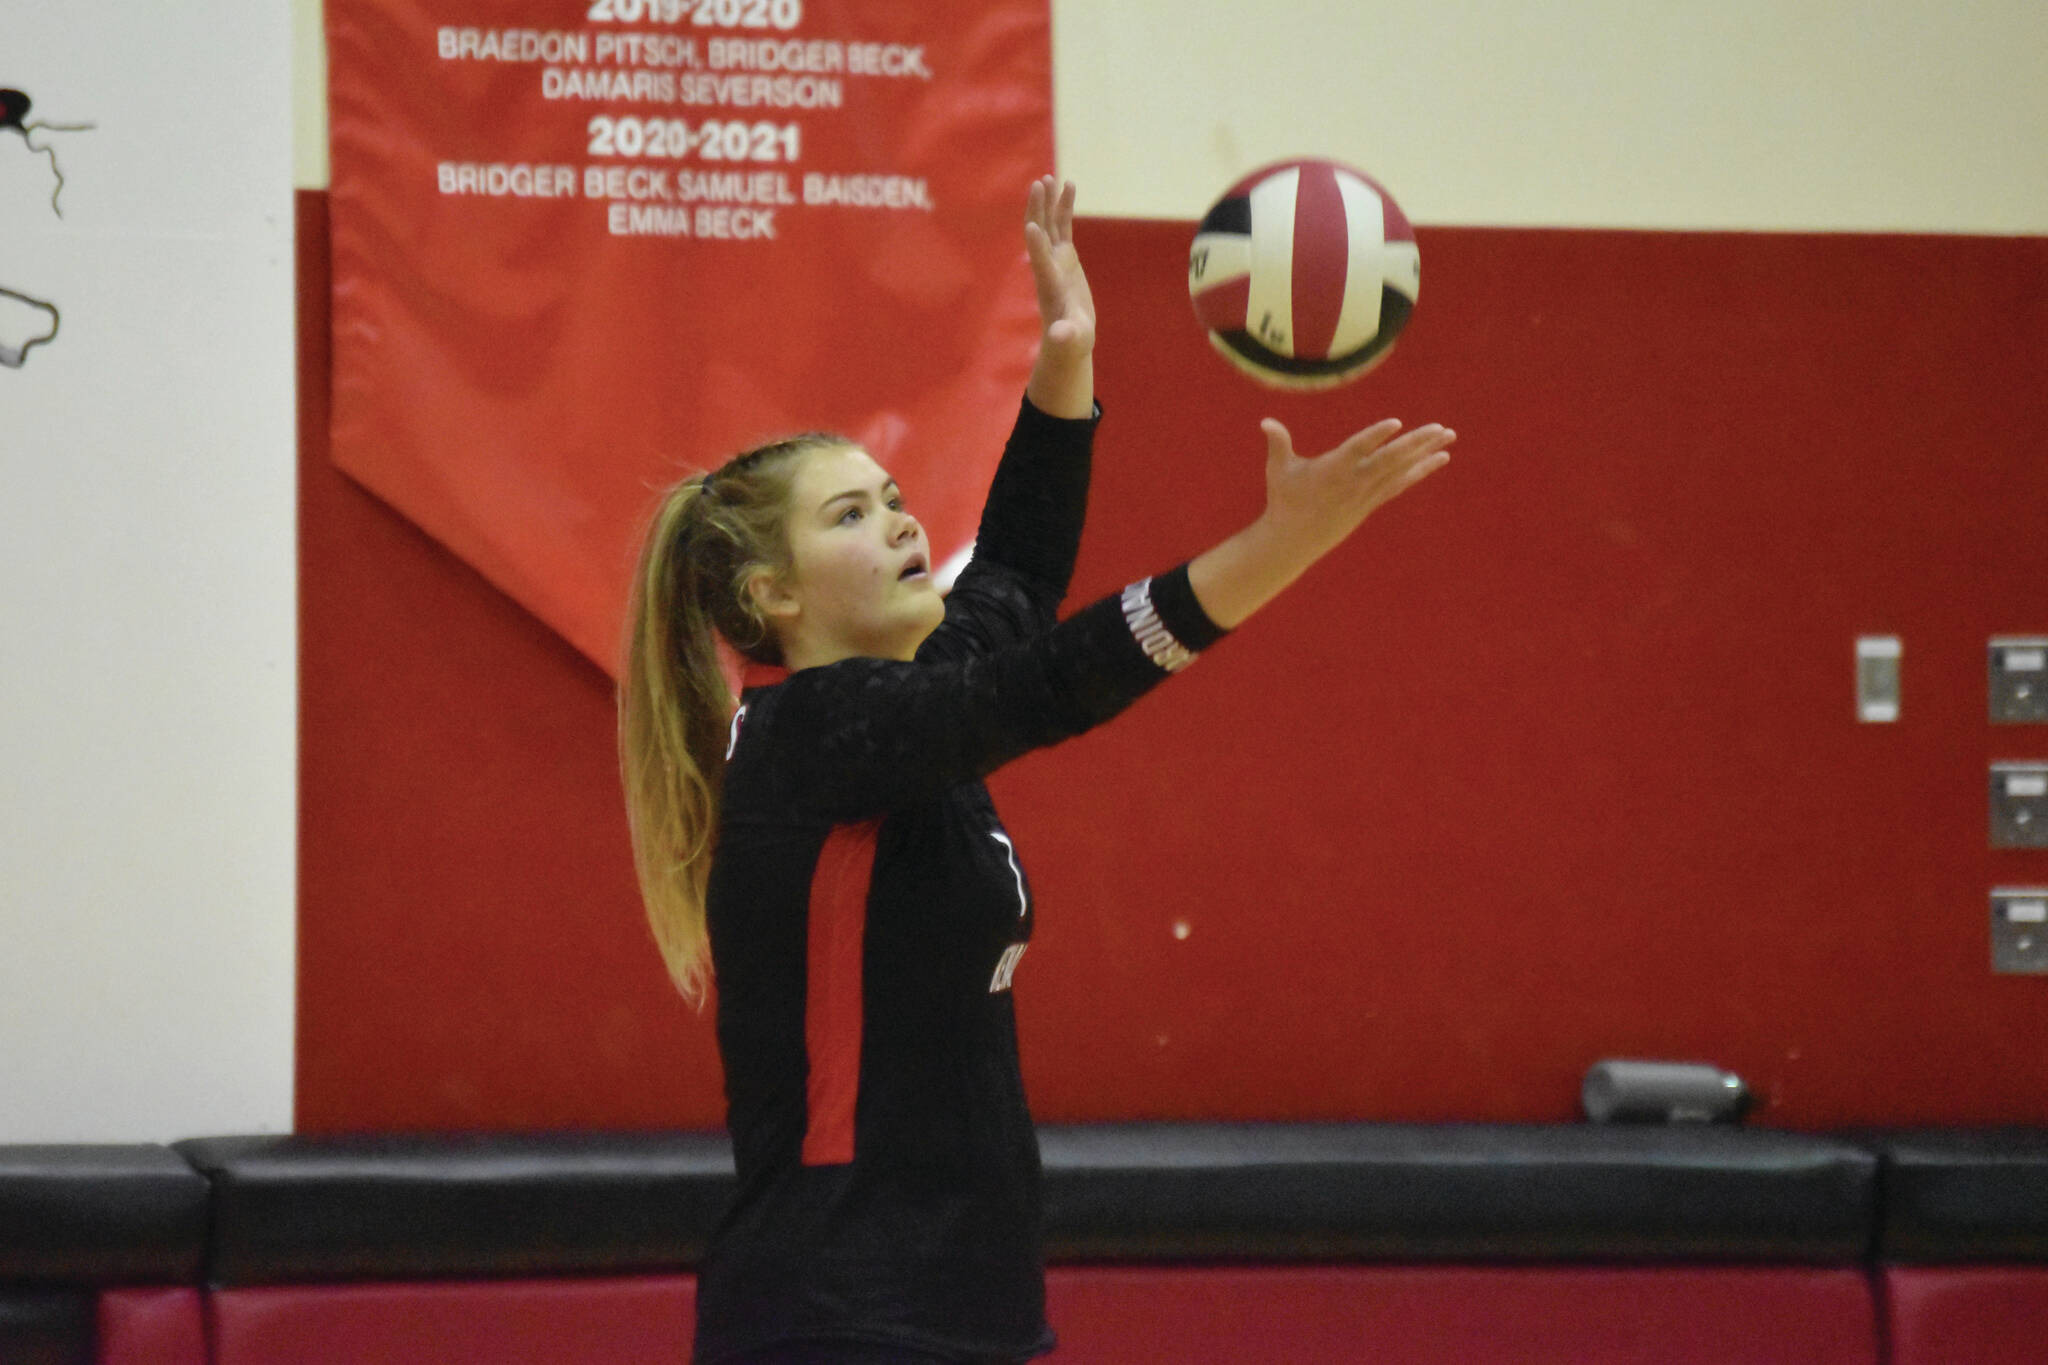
[1558, 760]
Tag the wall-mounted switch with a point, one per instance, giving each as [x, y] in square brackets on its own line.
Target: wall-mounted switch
[2019, 680]
[1877, 678]
[2019, 930]
[2019, 805]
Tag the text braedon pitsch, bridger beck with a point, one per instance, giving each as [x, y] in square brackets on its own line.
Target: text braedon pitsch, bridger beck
[713, 144]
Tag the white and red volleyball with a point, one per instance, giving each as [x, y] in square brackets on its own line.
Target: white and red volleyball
[1304, 272]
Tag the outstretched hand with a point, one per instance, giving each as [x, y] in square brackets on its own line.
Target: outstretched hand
[1322, 499]
[1065, 305]
[1312, 504]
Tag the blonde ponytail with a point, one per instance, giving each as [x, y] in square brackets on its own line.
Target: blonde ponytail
[711, 535]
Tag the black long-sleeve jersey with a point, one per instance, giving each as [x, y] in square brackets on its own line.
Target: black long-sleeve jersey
[867, 911]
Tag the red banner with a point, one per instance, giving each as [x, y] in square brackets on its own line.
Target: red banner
[582, 247]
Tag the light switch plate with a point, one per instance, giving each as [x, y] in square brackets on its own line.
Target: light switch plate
[2019, 805]
[2019, 930]
[1877, 679]
[2017, 666]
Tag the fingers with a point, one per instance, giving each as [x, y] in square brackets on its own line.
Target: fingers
[1279, 444]
[1416, 473]
[1363, 444]
[1419, 442]
[1037, 247]
[1381, 461]
[1050, 206]
[1382, 442]
[1400, 465]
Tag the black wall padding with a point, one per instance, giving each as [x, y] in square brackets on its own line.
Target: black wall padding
[289, 1209]
[1457, 1192]
[85, 1215]
[47, 1327]
[1965, 1195]
[301, 1209]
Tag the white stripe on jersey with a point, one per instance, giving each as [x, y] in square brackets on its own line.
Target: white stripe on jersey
[1023, 902]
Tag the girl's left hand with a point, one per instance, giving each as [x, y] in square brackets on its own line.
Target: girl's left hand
[1064, 303]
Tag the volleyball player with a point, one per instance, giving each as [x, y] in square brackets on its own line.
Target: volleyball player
[824, 846]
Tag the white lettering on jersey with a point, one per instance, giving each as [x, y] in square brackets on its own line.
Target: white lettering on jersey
[1006, 967]
[1159, 643]
[733, 740]
[1023, 902]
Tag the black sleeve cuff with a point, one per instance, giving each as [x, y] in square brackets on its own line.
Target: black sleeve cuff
[1182, 611]
[1034, 416]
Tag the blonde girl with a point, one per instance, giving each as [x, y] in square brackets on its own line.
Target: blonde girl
[824, 843]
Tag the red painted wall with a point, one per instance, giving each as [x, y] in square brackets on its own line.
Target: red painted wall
[1557, 760]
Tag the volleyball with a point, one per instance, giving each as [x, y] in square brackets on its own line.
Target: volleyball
[1304, 272]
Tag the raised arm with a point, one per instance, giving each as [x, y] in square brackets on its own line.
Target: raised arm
[1030, 530]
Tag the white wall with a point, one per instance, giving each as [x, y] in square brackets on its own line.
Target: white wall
[309, 96]
[1912, 115]
[148, 693]
[1885, 115]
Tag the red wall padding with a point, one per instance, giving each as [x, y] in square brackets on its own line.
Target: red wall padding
[1967, 1315]
[507, 1322]
[1342, 1315]
[1557, 760]
[151, 1327]
[1134, 1315]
